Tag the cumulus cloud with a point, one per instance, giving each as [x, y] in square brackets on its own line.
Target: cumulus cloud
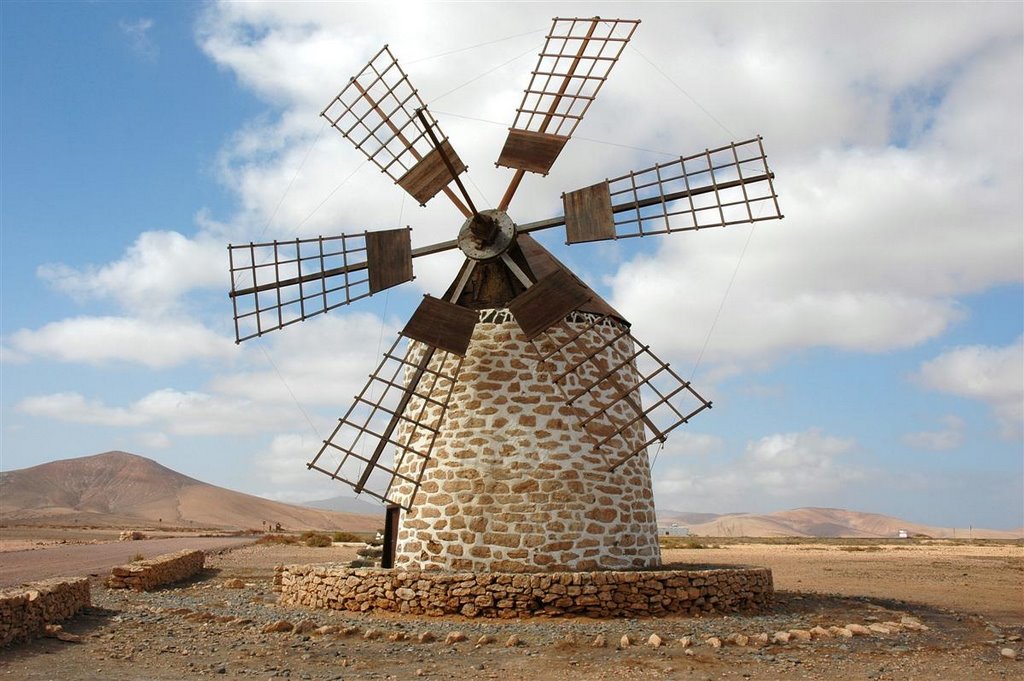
[324, 361]
[152, 275]
[172, 411]
[892, 212]
[283, 470]
[950, 437]
[779, 469]
[993, 375]
[158, 344]
[140, 40]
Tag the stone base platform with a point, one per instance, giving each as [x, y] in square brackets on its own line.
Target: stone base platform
[684, 590]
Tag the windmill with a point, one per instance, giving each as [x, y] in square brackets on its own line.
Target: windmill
[508, 425]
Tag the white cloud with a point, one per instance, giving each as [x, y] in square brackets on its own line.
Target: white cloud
[75, 408]
[322, 361]
[172, 411]
[951, 437]
[777, 470]
[880, 236]
[152, 276]
[158, 344]
[139, 38]
[993, 375]
[155, 440]
[283, 467]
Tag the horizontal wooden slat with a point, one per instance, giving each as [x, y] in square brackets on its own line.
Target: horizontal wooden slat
[443, 325]
[548, 302]
[388, 258]
[532, 151]
[588, 214]
[430, 175]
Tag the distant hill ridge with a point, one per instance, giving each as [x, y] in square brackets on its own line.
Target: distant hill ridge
[816, 522]
[121, 489]
[118, 488]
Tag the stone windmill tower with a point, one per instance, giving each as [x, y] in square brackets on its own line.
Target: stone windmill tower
[507, 427]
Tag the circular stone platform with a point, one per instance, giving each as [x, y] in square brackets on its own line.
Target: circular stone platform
[686, 590]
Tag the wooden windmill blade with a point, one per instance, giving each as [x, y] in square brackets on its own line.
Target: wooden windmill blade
[714, 188]
[623, 395]
[383, 442]
[277, 283]
[377, 112]
[577, 57]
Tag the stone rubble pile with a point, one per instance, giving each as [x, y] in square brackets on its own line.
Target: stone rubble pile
[26, 611]
[145, 575]
[497, 594]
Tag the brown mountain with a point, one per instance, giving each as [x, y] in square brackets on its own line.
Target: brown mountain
[815, 522]
[122, 489]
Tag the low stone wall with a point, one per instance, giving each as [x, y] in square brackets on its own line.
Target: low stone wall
[145, 575]
[496, 594]
[26, 610]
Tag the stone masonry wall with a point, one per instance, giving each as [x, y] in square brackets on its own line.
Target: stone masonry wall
[513, 483]
[592, 594]
[145, 575]
[25, 611]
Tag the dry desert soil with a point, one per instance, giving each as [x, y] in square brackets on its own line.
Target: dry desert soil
[969, 596]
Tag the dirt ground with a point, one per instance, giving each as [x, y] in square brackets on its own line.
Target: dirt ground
[970, 597]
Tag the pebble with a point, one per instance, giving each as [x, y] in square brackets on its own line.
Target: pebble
[305, 626]
[714, 642]
[1008, 653]
[278, 626]
[600, 641]
[426, 637]
[513, 641]
[654, 641]
[624, 642]
[454, 637]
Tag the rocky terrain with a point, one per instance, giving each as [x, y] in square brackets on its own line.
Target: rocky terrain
[227, 624]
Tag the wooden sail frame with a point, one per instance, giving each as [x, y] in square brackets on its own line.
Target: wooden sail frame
[277, 283]
[625, 401]
[377, 113]
[728, 185]
[400, 410]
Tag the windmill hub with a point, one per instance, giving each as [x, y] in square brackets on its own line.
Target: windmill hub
[487, 235]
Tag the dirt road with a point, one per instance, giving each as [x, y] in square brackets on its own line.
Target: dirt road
[80, 560]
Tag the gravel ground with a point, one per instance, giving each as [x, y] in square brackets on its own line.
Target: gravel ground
[202, 627]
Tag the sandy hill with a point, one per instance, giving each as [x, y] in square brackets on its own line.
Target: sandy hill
[814, 522]
[122, 489]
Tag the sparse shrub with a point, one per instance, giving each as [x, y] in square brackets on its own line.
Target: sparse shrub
[277, 539]
[685, 543]
[345, 537]
[316, 539]
[137, 557]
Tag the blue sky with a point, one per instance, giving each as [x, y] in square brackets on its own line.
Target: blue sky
[867, 355]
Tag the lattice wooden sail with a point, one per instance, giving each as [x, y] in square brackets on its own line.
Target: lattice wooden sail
[717, 187]
[577, 57]
[377, 112]
[624, 396]
[278, 283]
[383, 442]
